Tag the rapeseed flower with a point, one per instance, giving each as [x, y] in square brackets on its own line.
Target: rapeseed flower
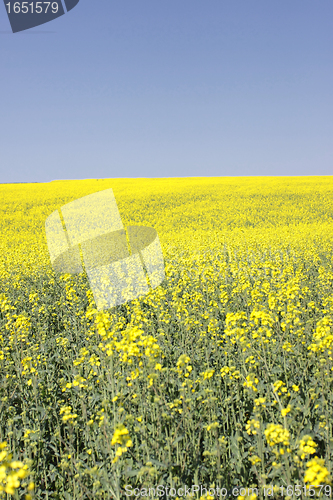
[11, 471]
[316, 473]
[276, 434]
[247, 296]
[122, 438]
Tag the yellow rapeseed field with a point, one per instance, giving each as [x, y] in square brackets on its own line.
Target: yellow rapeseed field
[217, 382]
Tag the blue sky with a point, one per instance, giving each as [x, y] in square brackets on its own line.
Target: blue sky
[169, 88]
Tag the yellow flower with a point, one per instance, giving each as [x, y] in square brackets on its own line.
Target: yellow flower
[122, 438]
[255, 460]
[183, 360]
[252, 426]
[213, 425]
[251, 381]
[65, 411]
[11, 471]
[285, 411]
[307, 446]
[207, 374]
[276, 434]
[253, 496]
[260, 401]
[316, 473]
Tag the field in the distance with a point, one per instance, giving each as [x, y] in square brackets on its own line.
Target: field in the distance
[220, 377]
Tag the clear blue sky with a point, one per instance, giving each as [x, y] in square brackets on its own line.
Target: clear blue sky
[169, 88]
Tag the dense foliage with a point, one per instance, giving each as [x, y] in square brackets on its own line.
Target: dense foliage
[220, 377]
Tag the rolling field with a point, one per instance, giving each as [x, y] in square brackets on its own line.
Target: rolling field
[221, 377]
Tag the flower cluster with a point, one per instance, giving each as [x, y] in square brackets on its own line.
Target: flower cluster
[121, 437]
[12, 472]
[217, 375]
